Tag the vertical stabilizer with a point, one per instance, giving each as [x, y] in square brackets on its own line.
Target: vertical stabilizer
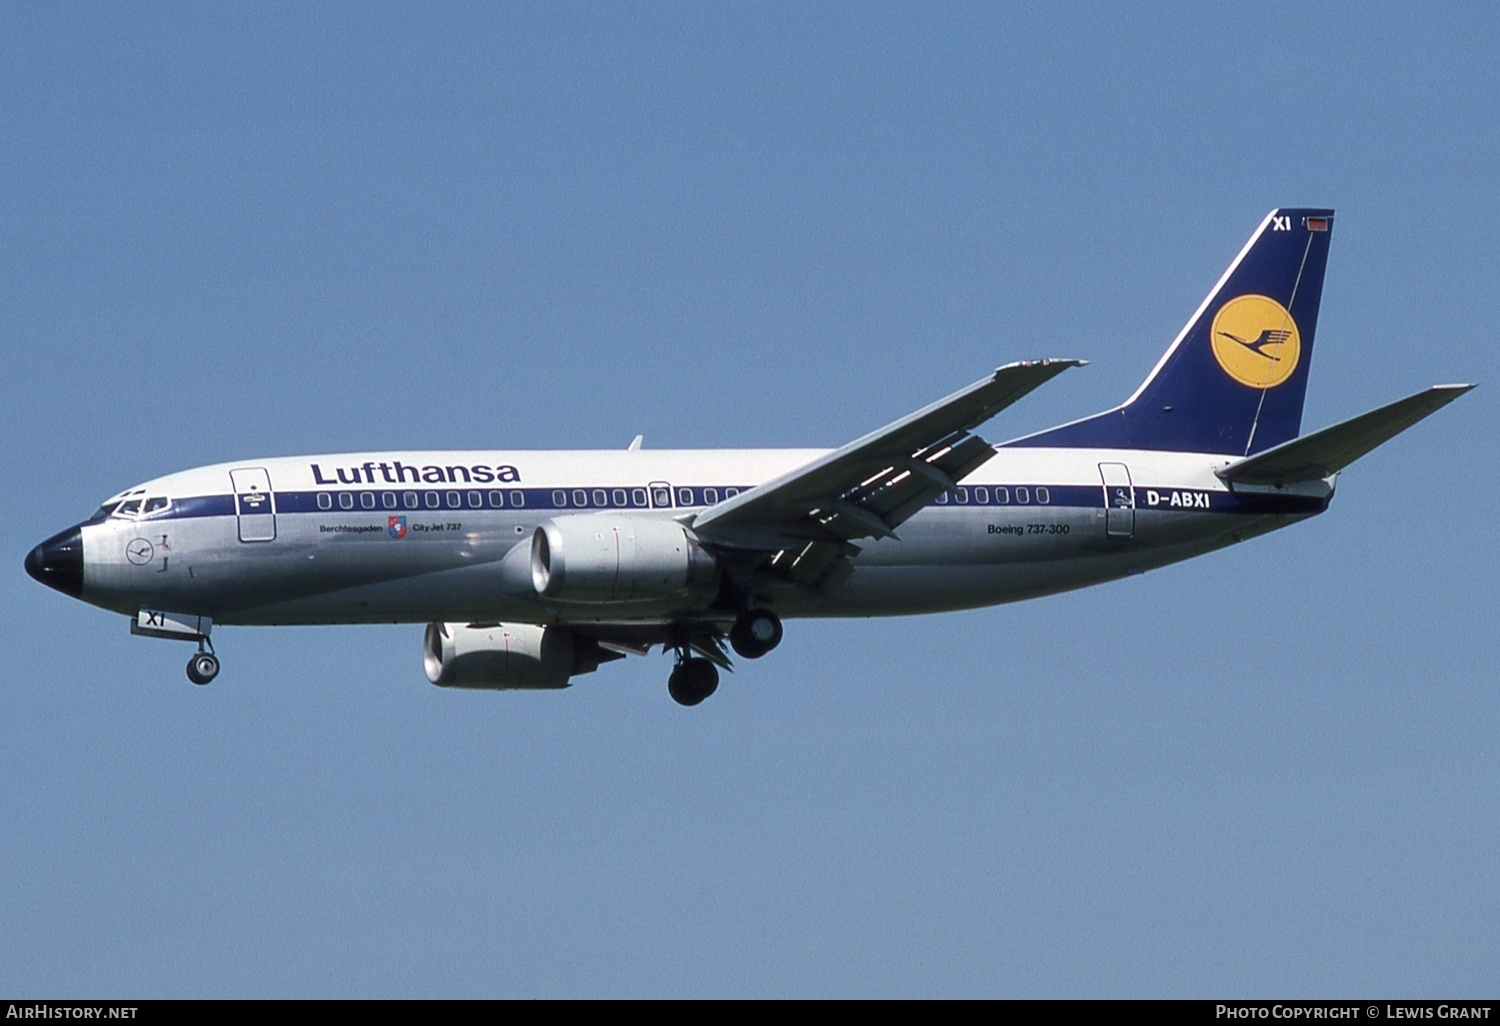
[1234, 379]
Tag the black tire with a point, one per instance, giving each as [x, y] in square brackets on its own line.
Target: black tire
[693, 681]
[755, 633]
[203, 668]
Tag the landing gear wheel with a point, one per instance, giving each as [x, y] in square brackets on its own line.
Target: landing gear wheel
[203, 667]
[693, 681]
[755, 633]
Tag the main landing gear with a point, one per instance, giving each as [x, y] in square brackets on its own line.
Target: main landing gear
[755, 633]
[693, 680]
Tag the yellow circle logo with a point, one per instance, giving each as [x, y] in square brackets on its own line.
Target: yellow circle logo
[1256, 341]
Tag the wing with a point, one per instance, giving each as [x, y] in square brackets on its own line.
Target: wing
[810, 517]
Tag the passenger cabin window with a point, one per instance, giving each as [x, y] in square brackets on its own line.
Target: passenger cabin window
[982, 495]
[1042, 495]
[325, 501]
[346, 500]
[518, 499]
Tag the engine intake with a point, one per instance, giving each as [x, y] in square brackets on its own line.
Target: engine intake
[508, 656]
[611, 558]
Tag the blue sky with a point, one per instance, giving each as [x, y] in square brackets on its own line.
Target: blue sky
[274, 229]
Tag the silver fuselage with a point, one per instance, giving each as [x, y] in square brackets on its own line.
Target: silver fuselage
[421, 536]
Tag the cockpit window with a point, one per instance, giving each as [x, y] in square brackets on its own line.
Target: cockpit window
[126, 504]
[155, 504]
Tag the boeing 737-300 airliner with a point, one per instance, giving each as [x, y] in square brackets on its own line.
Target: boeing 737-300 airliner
[531, 568]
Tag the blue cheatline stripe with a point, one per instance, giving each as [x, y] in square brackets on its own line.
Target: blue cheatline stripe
[201, 506]
[415, 501]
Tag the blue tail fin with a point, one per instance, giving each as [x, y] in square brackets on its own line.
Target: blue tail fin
[1234, 379]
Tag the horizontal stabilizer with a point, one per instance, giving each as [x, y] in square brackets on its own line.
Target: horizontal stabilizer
[1326, 452]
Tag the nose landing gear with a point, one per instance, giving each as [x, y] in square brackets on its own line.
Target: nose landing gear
[203, 667]
[159, 623]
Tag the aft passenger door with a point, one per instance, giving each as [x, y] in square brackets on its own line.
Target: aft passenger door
[1119, 500]
[254, 504]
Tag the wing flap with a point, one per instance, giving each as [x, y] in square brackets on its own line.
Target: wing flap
[870, 486]
[1330, 450]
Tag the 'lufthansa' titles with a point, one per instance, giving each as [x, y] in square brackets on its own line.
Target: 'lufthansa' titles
[396, 472]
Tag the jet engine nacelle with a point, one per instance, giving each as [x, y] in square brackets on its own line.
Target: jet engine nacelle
[606, 557]
[507, 656]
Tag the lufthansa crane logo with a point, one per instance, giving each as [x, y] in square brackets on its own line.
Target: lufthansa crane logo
[1255, 340]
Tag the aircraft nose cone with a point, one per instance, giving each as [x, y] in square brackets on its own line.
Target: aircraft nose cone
[58, 562]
